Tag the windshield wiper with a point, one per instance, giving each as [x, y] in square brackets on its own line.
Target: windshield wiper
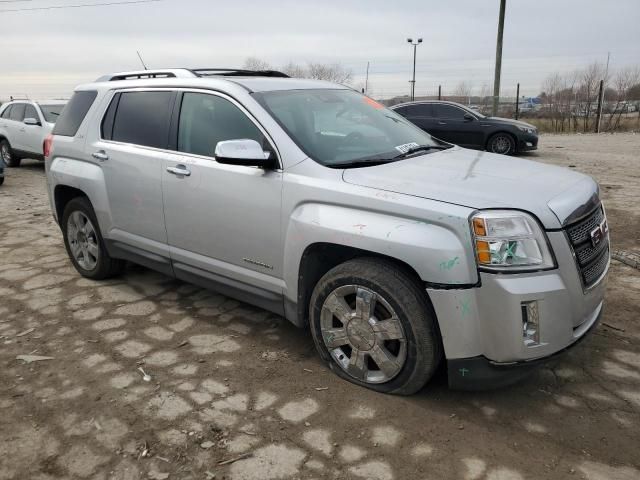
[421, 148]
[367, 162]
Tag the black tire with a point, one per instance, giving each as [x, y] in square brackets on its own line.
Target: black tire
[5, 149]
[106, 267]
[502, 143]
[404, 294]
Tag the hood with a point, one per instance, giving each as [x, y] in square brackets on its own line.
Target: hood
[481, 180]
[507, 121]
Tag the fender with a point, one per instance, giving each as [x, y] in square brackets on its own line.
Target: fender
[439, 252]
[88, 178]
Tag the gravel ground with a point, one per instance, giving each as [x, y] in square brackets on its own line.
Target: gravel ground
[232, 382]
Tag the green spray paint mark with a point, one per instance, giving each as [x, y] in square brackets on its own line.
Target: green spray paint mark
[465, 307]
[449, 264]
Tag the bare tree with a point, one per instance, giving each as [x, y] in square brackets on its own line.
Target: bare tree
[294, 70]
[588, 90]
[255, 63]
[333, 72]
[623, 81]
[462, 92]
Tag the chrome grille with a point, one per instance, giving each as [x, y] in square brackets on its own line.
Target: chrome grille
[592, 260]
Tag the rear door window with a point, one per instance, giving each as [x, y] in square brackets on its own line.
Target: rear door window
[142, 118]
[17, 112]
[74, 112]
[421, 110]
[449, 112]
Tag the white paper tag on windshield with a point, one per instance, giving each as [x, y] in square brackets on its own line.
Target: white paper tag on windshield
[406, 147]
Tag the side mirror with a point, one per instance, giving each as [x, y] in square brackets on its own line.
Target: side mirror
[242, 152]
[32, 121]
[468, 117]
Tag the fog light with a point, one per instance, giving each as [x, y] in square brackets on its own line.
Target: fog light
[530, 323]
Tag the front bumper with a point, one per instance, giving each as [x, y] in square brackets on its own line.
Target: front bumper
[480, 373]
[485, 323]
[527, 142]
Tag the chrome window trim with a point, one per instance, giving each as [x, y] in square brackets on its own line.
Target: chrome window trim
[226, 96]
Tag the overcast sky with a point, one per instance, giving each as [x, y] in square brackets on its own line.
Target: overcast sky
[44, 54]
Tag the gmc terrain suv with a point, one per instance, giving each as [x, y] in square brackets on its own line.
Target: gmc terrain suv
[24, 125]
[308, 199]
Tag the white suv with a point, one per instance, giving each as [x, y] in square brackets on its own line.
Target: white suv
[24, 125]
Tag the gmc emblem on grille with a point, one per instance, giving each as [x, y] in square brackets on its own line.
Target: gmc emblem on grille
[598, 233]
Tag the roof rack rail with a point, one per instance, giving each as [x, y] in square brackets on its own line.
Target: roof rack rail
[236, 72]
[146, 74]
[189, 73]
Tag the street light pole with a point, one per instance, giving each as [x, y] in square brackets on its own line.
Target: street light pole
[413, 80]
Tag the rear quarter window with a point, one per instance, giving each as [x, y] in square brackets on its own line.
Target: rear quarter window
[74, 112]
[51, 113]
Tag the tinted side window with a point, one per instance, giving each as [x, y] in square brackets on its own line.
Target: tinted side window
[422, 110]
[450, 112]
[7, 112]
[74, 112]
[17, 112]
[142, 118]
[30, 112]
[206, 120]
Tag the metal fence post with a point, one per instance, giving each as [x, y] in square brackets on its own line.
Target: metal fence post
[439, 92]
[517, 100]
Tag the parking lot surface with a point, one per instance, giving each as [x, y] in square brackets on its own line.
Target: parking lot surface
[148, 377]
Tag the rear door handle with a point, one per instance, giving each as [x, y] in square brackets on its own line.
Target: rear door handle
[442, 123]
[101, 156]
[23, 130]
[179, 170]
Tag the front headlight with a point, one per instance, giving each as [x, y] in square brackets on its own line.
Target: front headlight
[507, 240]
[527, 129]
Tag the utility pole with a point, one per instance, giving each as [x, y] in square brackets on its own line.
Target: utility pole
[496, 78]
[517, 100]
[600, 95]
[366, 80]
[413, 80]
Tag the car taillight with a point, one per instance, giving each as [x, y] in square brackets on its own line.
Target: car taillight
[47, 145]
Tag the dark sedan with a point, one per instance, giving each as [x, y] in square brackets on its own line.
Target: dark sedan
[455, 123]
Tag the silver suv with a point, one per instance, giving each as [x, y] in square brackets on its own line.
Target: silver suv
[24, 126]
[397, 251]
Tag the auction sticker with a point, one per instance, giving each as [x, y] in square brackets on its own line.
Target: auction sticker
[406, 147]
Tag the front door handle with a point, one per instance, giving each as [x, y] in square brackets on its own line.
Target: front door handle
[23, 130]
[179, 170]
[442, 123]
[101, 155]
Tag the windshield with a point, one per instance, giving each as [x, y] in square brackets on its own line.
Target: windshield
[51, 112]
[337, 127]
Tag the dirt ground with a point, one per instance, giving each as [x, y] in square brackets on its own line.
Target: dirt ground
[232, 382]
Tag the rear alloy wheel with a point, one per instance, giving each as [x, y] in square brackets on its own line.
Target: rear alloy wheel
[84, 243]
[373, 326]
[7, 154]
[502, 143]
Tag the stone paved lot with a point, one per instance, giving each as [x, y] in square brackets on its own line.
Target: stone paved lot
[232, 382]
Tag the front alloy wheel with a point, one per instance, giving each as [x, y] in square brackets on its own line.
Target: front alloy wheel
[363, 334]
[502, 143]
[373, 325]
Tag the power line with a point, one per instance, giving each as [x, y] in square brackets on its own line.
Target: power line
[79, 5]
